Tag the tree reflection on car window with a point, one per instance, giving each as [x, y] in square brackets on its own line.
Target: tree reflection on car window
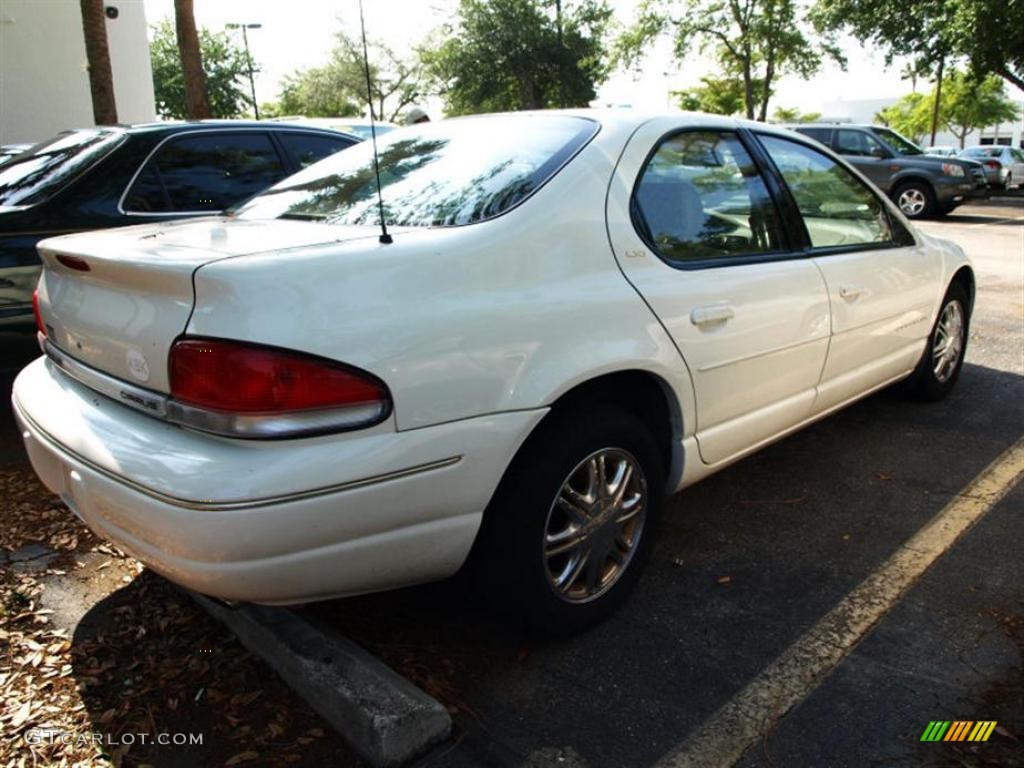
[431, 174]
[39, 172]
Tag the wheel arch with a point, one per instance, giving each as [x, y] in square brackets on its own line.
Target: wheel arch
[965, 277]
[642, 393]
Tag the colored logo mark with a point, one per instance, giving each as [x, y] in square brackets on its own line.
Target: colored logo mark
[958, 730]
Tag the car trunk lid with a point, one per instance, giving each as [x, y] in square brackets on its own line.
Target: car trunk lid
[116, 300]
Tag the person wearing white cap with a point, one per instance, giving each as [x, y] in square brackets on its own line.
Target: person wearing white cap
[416, 115]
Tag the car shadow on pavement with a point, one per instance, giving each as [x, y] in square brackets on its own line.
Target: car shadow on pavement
[744, 563]
[148, 661]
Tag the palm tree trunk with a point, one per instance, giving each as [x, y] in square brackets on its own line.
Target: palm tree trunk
[101, 77]
[197, 104]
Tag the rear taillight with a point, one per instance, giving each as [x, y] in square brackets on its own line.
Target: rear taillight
[35, 311]
[994, 164]
[249, 390]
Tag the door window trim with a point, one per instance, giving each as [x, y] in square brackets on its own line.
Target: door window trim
[285, 164]
[903, 237]
[787, 250]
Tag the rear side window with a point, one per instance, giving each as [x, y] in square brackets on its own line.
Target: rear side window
[308, 148]
[701, 197]
[838, 209]
[205, 172]
[818, 134]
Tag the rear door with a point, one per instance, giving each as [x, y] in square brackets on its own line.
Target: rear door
[696, 232]
[882, 286]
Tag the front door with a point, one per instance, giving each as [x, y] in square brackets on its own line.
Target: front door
[697, 234]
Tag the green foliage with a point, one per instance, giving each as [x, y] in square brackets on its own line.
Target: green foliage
[986, 34]
[224, 64]
[506, 55]
[718, 96]
[755, 40]
[970, 103]
[910, 116]
[793, 115]
[338, 88]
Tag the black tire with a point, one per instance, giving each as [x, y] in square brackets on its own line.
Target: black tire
[925, 383]
[510, 550]
[922, 196]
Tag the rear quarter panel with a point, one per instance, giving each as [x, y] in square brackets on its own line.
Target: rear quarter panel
[501, 315]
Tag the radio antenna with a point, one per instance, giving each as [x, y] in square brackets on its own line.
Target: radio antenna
[384, 236]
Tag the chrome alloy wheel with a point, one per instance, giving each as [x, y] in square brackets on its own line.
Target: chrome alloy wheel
[594, 525]
[911, 201]
[948, 342]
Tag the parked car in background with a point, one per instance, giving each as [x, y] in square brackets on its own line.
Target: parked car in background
[921, 185]
[943, 150]
[103, 177]
[578, 313]
[7, 151]
[1004, 166]
[354, 126]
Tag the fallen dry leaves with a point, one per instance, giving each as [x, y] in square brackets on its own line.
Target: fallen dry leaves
[143, 660]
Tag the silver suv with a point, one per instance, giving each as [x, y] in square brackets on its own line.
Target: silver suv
[921, 185]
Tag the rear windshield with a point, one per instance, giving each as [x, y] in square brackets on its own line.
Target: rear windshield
[432, 174]
[33, 176]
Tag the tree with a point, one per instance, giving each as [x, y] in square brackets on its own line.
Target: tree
[987, 34]
[338, 89]
[224, 67]
[520, 54]
[197, 101]
[101, 77]
[757, 39]
[793, 115]
[970, 103]
[910, 116]
[717, 95]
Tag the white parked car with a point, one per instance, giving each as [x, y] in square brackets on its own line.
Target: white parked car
[579, 313]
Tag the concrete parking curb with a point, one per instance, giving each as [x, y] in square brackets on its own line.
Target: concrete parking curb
[383, 716]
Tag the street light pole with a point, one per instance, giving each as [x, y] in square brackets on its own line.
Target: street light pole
[248, 58]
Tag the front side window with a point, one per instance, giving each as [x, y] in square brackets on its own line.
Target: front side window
[39, 172]
[899, 144]
[818, 134]
[858, 143]
[700, 197]
[447, 173]
[205, 172]
[838, 209]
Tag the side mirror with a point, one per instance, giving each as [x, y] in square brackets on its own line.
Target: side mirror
[879, 153]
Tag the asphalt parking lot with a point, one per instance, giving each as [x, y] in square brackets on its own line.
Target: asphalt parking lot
[746, 565]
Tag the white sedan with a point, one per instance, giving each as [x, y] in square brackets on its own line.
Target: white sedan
[579, 313]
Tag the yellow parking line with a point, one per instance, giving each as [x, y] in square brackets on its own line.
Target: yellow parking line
[723, 738]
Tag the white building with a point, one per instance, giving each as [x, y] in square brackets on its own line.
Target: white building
[44, 79]
[864, 111]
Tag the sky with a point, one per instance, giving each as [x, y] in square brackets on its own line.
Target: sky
[300, 33]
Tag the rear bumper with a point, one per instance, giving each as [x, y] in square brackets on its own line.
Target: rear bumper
[335, 515]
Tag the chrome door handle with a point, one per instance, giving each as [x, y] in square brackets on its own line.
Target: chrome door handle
[716, 313]
[850, 291]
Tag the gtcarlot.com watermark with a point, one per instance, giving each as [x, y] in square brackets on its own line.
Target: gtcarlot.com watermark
[39, 736]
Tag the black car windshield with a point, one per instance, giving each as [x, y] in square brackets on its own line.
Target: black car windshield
[36, 174]
[431, 174]
[897, 143]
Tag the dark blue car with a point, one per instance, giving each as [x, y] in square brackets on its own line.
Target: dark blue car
[112, 176]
